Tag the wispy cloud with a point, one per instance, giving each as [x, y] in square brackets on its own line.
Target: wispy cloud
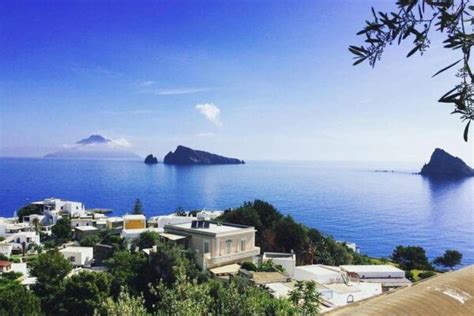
[206, 134]
[96, 70]
[146, 83]
[128, 112]
[210, 112]
[178, 91]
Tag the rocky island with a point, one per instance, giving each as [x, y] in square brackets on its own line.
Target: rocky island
[187, 156]
[444, 165]
[151, 160]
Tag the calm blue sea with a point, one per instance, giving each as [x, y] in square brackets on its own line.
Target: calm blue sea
[347, 200]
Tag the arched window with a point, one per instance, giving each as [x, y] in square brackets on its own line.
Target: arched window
[350, 299]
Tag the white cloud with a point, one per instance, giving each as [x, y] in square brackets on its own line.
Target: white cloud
[211, 112]
[147, 83]
[179, 91]
[120, 142]
[207, 134]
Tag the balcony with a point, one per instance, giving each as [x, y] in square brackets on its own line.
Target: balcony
[231, 257]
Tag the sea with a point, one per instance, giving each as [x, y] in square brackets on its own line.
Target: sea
[376, 205]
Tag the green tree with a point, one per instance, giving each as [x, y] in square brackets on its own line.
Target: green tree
[50, 269]
[137, 207]
[126, 268]
[124, 305]
[305, 297]
[416, 20]
[85, 292]
[62, 230]
[15, 299]
[89, 241]
[449, 259]
[180, 211]
[147, 239]
[185, 297]
[27, 210]
[411, 257]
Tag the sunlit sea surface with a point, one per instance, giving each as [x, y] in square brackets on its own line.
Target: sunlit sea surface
[376, 210]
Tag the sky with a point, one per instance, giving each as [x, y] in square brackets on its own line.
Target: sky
[257, 80]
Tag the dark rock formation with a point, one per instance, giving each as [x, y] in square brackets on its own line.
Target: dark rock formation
[187, 156]
[151, 160]
[443, 165]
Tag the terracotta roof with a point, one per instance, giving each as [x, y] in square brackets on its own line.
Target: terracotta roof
[4, 263]
[450, 293]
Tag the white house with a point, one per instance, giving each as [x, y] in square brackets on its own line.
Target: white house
[53, 208]
[286, 260]
[78, 256]
[388, 275]
[18, 234]
[6, 249]
[319, 273]
[217, 244]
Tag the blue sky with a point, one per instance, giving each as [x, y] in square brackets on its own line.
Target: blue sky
[252, 79]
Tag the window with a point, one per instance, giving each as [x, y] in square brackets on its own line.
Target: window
[242, 245]
[350, 299]
[228, 246]
[72, 259]
[206, 247]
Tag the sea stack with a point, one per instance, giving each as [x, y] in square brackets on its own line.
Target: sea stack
[444, 165]
[151, 160]
[187, 156]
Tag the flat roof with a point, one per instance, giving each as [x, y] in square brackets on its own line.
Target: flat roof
[371, 268]
[76, 248]
[172, 236]
[213, 227]
[450, 293]
[86, 228]
[228, 269]
[134, 216]
[268, 277]
[319, 269]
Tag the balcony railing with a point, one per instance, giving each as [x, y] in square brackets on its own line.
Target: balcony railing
[232, 256]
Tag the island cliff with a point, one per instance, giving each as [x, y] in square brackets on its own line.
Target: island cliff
[151, 160]
[187, 156]
[444, 165]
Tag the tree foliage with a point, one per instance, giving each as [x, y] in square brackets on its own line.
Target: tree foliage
[62, 230]
[449, 259]
[124, 305]
[50, 269]
[15, 299]
[416, 20]
[276, 232]
[137, 207]
[85, 292]
[28, 210]
[411, 257]
[305, 297]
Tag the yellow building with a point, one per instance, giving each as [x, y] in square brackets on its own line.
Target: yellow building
[134, 222]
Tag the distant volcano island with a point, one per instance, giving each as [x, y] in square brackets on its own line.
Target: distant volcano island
[94, 147]
[187, 156]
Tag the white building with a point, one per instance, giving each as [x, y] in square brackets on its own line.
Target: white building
[388, 275]
[217, 244]
[163, 220]
[78, 256]
[53, 208]
[318, 273]
[6, 249]
[18, 234]
[286, 260]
